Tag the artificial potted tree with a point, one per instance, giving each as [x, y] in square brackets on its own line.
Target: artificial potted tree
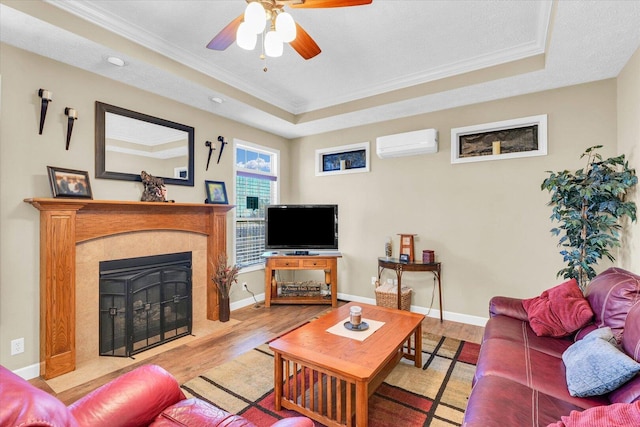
[590, 204]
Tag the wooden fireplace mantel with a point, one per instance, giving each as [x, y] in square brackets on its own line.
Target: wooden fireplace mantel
[66, 222]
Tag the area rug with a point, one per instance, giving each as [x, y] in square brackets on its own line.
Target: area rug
[435, 395]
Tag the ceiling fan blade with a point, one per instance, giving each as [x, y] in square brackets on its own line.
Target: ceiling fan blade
[304, 44]
[328, 3]
[227, 36]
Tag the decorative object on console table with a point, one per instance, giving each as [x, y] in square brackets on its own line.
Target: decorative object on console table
[216, 192]
[428, 256]
[223, 278]
[69, 183]
[154, 189]
[406, 245]
[388, 247]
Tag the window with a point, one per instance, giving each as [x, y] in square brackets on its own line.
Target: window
[256, 186]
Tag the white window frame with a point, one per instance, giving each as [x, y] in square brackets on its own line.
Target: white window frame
[255, 147]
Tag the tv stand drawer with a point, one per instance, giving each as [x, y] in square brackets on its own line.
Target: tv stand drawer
[314, 263]
[292, 263]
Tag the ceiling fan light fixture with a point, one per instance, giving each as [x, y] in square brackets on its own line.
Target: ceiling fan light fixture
[273, 44]
[255, 17]
[286, 27]
[245, 37]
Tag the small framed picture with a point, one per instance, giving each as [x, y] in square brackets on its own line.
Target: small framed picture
[404, 258]
[216, 192]
[69, 183]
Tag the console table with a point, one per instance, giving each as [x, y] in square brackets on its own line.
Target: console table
[328, 263]
[400, 267]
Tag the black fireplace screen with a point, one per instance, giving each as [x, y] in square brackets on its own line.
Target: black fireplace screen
[144, 302]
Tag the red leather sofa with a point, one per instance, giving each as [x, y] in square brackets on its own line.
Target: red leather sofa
[521, 377]
[146, 396]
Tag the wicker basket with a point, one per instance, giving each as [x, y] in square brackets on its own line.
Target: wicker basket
[387, 296]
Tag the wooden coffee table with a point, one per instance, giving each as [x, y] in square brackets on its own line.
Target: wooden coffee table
[335, 374]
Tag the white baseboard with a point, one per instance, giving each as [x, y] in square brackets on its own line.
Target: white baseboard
[247, 302]
[28, 372]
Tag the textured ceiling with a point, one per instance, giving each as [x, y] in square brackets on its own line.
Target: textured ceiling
[381, 61]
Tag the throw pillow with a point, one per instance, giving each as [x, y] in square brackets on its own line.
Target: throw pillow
[558, 311]
[595, 366]
[617, 414]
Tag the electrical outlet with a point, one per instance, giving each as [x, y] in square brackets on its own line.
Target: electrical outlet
[244, 286]
[17, 346]
[373, 280]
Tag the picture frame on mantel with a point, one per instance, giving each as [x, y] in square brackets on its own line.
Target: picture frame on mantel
[69, 183]
[216, 192]
[508, 139]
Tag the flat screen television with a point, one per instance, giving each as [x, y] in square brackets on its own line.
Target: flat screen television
[300, 228]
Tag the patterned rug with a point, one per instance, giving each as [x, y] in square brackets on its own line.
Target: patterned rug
[434, 396]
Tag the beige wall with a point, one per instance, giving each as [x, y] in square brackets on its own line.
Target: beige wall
[24, 156]
[629, 145]
[487, 221]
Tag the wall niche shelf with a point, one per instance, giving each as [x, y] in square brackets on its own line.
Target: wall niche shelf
[508, 139]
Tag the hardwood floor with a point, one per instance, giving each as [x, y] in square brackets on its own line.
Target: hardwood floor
[257, 324]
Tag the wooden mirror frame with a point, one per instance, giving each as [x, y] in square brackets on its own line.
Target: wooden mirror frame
[102, 109]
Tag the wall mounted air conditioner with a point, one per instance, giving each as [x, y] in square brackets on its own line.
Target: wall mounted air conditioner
[407, 144]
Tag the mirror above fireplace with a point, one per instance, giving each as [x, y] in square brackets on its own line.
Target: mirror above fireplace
[128, 142]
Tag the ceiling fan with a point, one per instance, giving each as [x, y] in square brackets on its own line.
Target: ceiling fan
[245, 28]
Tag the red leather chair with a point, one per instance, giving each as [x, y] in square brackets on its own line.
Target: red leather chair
[146, 396]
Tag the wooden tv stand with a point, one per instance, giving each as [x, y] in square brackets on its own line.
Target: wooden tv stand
[280, 261]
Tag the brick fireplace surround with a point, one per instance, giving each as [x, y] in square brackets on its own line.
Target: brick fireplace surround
[65, 223]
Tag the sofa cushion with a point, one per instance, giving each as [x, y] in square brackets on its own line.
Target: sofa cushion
[611, 294]
[507, 306]
[499, 402]
[595, 366]
[620, 414]
[136, 398]
[630, 391]
[195, 412]
[505, 327]
[558, 311]
[631, 336]
[540, 371]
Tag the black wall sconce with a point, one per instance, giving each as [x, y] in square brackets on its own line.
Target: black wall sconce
[46, 99]
[72, 117]
[222, 144]
[211, 148]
